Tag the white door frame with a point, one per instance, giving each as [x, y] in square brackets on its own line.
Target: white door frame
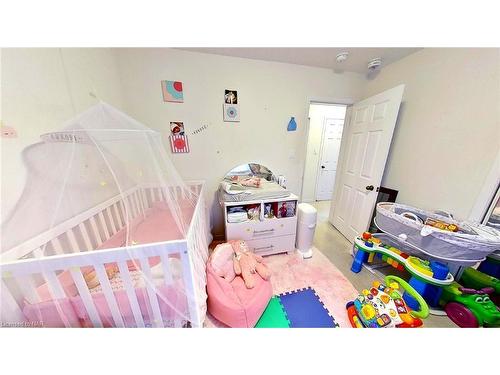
[320, 100]
[318, 166]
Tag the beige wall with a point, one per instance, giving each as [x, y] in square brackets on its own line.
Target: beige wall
[448, 132]
[268, 94]
[35, 99]
[444, 145]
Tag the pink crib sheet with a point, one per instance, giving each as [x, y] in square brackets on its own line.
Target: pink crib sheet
[54, 313]
[157, 226]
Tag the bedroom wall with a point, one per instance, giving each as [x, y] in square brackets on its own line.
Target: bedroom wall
[448, 131]
[268, 94]
[35, 99]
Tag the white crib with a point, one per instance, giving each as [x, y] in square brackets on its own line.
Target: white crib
[69, 246]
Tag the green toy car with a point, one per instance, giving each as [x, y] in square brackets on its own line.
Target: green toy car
[470, 308]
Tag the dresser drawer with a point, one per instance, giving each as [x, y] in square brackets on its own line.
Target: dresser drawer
[273, 245]
[261, 229]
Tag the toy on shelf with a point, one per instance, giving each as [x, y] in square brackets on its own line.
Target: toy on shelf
[432, 280]
[284, 209]
[383, 306]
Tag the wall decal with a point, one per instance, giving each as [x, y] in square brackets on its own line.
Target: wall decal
[172, 91]
[200, 129]
[231, 97]
[179, 144]
[292, 125]
[231, 112]
[177, 128]
[8, 132]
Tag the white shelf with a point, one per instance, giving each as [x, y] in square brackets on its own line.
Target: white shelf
[266, 236]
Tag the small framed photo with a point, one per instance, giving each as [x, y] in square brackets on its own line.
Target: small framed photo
[177, 128]
[231, 97]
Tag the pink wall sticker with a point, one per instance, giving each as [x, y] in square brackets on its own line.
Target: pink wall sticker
[8, 131]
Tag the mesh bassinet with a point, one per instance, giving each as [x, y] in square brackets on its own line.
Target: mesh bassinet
[471, 244]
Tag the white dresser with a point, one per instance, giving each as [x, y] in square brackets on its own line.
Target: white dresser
[264, 236]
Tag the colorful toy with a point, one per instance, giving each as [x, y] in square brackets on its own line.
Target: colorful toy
[441, 224]
[472, 278]
[368, 246]
[470, 308]
[466, 307]
[383, 306]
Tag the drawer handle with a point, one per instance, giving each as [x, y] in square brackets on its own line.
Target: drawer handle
[263, 231]
[263, 248]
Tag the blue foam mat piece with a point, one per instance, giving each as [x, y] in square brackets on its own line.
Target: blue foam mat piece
[305, 310]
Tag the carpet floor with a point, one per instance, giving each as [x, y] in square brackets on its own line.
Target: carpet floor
[291, 272]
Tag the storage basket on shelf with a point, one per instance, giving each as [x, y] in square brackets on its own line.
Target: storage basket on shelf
[470, 244]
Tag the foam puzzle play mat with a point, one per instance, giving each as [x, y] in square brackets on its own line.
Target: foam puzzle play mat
[300, 308]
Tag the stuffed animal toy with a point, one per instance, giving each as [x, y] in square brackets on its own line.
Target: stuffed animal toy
[92, 280]
[247, 181]
[247, 264]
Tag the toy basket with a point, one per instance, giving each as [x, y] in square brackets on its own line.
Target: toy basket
[471, 244]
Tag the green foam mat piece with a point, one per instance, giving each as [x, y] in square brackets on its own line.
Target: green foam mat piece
[274, 316]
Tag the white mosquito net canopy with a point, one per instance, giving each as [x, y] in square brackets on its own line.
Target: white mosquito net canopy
[98, 155]
[104, 161]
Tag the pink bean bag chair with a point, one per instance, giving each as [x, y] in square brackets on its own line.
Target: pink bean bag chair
[229, 299]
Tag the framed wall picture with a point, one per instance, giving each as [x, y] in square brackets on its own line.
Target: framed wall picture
[179, 144]
[231, 97]
[177, 128]
[231, 112]
[172, 91]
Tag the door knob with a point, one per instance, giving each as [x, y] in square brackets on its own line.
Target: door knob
[369, 187]
[323, 167]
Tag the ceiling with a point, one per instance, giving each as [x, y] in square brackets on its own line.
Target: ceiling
[318, 57]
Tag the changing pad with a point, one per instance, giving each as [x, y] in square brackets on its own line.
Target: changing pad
[235, 193]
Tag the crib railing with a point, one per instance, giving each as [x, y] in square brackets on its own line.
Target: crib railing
[88, 230]
[40, 259]
[22, 273]
[196, 258]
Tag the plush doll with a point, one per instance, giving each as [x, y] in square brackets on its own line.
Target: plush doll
[246, 181]
[247, 264]
[252, 181]
[91, 278]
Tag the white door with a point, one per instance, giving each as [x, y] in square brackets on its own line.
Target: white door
[330, 147]
[366, 142]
